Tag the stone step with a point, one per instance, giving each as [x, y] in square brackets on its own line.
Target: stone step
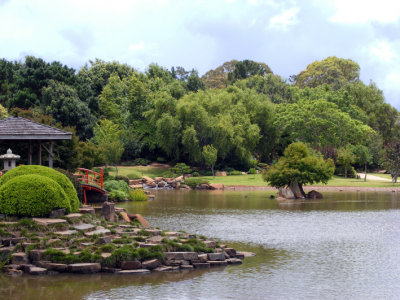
[133, 272]
[217, 263]
[86, 210]
[98, 231]
[84, 227]
[66, 232]
[73, 216]
[140, 219]
[47, 221]
[84, 268]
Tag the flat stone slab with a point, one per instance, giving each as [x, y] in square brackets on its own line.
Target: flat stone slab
[146, 245]
[19, 258]
[133, 272]
[181, 256]
[46, 221]
[155, 239]
[37, 271]
[186, 267]
[66, 232]
[56, 267]
[124, 216]
[84, 268]
[153, 231]
[98, 231]
[217, 263]
[73, 216]
[210, 244]
[216, 256]
[150, 264]
[164, 269]
[201, 265]
[84, 227]
[86, 210]
[234, 261]
[246, 254]
[171, 233]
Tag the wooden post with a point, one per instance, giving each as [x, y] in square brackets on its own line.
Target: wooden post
[51, 154]
[40, 154]
[30, 153]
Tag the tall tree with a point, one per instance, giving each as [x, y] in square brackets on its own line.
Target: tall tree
[210, 155]
[391, 160]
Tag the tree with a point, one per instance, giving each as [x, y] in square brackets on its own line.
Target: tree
[298, 167]
[391, 160]
[332, 71]
[210, 156]
[346, 158]
[181, 168]
[107, 136]
[247, 68]
[363, 157]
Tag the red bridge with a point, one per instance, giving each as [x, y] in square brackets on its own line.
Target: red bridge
[91, 181]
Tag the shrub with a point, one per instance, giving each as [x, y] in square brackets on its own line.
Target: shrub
[206, 173]
[161, 159]
[75, 181]
[351, 172]
[58, 177]
[122, 177]
[252, 171]
[118, 185]
[32, 196]
[234, 172]
[134, 175]
[137, 195]
[193, 182]
[195, 174]
[169, 174]
[117, 195]
[141, 162]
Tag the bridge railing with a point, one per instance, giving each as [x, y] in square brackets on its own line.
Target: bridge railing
[90, 177]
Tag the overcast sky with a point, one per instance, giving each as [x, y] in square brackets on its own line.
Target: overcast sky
[287, 35]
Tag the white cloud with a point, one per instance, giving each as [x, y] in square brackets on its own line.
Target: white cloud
[136, 47]
[383, 51]
[284, 20]
[365, 11]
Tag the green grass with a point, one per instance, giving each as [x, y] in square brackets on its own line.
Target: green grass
[150, 171]
[256, 180]
[387, 176]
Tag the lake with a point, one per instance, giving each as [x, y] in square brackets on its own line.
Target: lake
[345, 246]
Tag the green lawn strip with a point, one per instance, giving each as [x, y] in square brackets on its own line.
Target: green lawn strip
[150, 171]
[387, 176]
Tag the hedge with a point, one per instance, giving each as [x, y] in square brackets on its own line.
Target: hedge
[58, 177]
[32, 196]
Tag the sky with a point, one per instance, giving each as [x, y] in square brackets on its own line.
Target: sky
[287, 35]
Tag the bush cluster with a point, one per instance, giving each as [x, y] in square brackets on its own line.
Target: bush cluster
[118, 190]
[137, 195]
[234, 172]
[58, 177]
[32, 196]
[193, 182]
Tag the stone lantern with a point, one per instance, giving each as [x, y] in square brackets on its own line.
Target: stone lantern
[9, 160]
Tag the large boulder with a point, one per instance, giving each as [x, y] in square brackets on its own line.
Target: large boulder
[286, 193]
[314, 195]
[108, 211]
[216, 186]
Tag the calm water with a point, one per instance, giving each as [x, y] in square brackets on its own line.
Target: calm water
[346, 246]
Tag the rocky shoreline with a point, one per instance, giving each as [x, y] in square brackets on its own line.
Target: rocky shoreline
[104, 239]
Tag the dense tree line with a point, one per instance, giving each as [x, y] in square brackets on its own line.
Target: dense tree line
[241, 108]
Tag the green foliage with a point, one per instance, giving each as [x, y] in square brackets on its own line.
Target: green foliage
[346, 158]
[134, 175]
[193, 182]
[58, 256]
[123, 178]
[76, 182]
[141, 162]
[118, 189]
[32, 195]
[298, 165]
[391, 160]
[234, 172]
[181, 168]
[349, 172]
[252, 171]
[138, 195]
[210, 156]
[58, 177]
[195, 174]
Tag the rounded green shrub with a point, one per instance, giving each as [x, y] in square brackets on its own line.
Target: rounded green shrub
[138, 195]
[58, 177]
[32, 196]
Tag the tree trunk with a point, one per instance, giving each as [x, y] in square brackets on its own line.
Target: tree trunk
[116, 170]
[365, 171]
[297, 190]
[345, 172]
[212, 171]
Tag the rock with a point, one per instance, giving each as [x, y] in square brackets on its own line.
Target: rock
[203, 186]
[153, 232]
[98, 231]
[286, 193]
[83, 227]
[108, 211]
[133, 272]
[7, 242]
[245, 253]
[155, 239]
[210, 244]
[146, 245]
[240, 256]
[46, 221]
[216, 186]
[124, 216]
[171, 233]
[216, 256]
[179, 179]
[135, 182]
[57, 213]
[136, 186]
[66, 232]
[234, 261]
[5, 252]
[84, 268]
[140, 219]
[150, 264]
[201, 265]
[221, 173]
[19, 258]
[148, 181]
[203, 258]
[230, 251]
[314, 195]
[163, 269]
[217, 263]
[104, 240]
[131, 265]
[36, 255]
[158, 179]
[57, 267]
[105, 255]
[109, 270]
[192, 256]
[37, 271]
[73, 216]
[14, 272]
[186, 267]
[86, 210]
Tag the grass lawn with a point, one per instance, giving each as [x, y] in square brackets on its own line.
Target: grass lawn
[139, 171]
[250, 180]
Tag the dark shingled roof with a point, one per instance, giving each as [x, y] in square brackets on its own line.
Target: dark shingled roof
[16, 128]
